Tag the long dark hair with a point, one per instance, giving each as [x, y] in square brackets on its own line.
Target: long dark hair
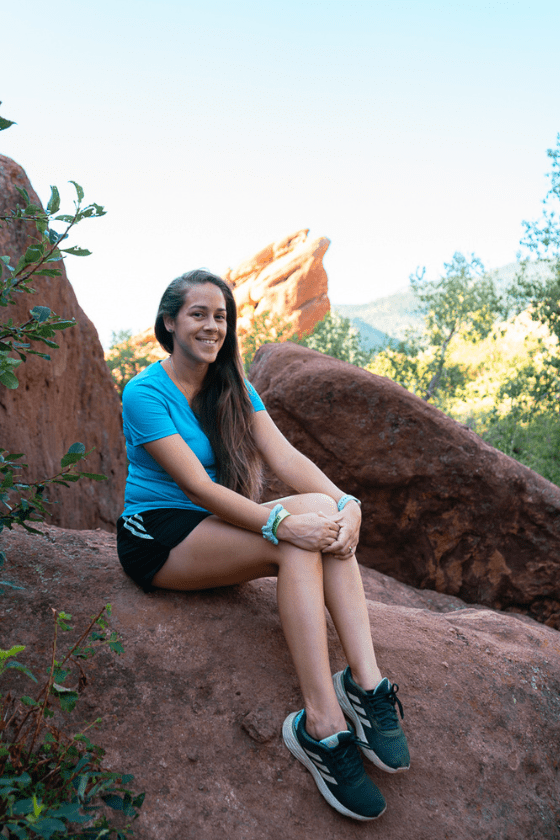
[222, 405]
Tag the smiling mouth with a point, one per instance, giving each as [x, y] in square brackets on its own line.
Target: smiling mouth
[208, 340]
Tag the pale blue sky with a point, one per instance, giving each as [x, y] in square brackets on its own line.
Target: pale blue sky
[401, 130]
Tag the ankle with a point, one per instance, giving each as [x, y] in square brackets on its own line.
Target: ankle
[367, 679]
[320, 726]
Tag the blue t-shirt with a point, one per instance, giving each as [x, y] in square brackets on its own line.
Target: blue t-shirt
[154, 408]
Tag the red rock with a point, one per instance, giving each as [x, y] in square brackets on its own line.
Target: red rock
[194, 706]
[69, 399]
[287, 278]
[441, 509]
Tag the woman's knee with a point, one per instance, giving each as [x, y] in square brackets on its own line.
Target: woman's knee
[308, 503]
[289, 555]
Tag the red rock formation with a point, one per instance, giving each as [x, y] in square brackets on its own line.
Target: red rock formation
[68, 399]
[441, 509]
[287, 279]
[194, 706]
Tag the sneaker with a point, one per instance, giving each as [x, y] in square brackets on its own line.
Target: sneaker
[373, 713]
[336, 767]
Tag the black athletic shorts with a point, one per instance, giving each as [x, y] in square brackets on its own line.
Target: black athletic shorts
[144, 540]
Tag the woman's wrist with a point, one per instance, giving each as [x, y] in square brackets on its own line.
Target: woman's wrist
[348, 499]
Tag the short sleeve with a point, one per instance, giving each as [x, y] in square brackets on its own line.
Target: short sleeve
[258, 404]
[146, 415]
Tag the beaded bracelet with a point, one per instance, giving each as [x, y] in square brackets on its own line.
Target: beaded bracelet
[267, 530]
[345, 499]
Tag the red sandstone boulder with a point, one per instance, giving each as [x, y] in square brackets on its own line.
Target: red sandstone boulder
[287, 279]
[194, 706]
[69, 399]
[441, 509]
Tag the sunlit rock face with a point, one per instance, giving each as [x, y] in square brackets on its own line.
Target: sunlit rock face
[68, 399]
[287, 279]
[441, 508]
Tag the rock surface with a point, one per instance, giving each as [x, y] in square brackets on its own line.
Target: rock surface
[287, 278]
[441, 509]
[194, 706]
[69, 399]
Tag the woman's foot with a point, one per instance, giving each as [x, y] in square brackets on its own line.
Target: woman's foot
[374, 715]
[337, 769]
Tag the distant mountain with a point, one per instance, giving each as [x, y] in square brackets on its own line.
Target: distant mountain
[386, 319]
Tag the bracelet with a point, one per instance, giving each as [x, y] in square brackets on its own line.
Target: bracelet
[345, 499]
[279, 517]
[267, 530]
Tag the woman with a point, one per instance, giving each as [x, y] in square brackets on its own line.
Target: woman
[196, 432]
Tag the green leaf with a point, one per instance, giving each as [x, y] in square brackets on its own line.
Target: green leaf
[11, 585]
[94, 476]
[40, 313]
[15, 649]
[54, 202]
[46, 827]
[4, 123]
[113, 801]
[63, 325]
[64, 218]
[24, 194]
[8, 379]
[76, 252]
[48, 272]
[33, 254]
[17, 666]
[79, 190]
[74, 454]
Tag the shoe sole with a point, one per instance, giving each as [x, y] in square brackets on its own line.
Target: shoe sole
[350, 713]
[291, 741]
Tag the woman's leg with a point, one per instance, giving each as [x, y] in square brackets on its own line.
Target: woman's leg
[344, 597]
[219, 554]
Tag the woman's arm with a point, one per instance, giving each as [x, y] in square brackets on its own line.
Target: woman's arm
[296, 470]
[310, 531]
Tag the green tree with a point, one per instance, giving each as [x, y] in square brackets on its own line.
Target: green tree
[540, 290]
[461, 304]
[265, 329]
[336, 336]
[126, 358]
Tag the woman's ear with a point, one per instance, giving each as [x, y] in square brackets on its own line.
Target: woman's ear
[169, 323]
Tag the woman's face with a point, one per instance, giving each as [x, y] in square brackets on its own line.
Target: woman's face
[200, 328]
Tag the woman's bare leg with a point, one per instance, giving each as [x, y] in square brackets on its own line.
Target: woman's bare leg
[219, 554]
[344, 597]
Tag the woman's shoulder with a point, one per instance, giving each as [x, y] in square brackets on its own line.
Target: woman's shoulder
[152, 377]
[150, 373]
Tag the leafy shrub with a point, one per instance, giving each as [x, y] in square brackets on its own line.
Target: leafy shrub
[53, 785]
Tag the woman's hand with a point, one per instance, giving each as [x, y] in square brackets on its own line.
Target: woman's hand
[349, 519]
[311, 531]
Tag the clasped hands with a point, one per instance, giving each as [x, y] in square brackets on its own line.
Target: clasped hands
[335, 534]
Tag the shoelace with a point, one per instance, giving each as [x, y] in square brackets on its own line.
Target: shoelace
[348, 762]
[382, 708]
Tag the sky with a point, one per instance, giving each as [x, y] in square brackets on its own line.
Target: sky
[403, 131]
